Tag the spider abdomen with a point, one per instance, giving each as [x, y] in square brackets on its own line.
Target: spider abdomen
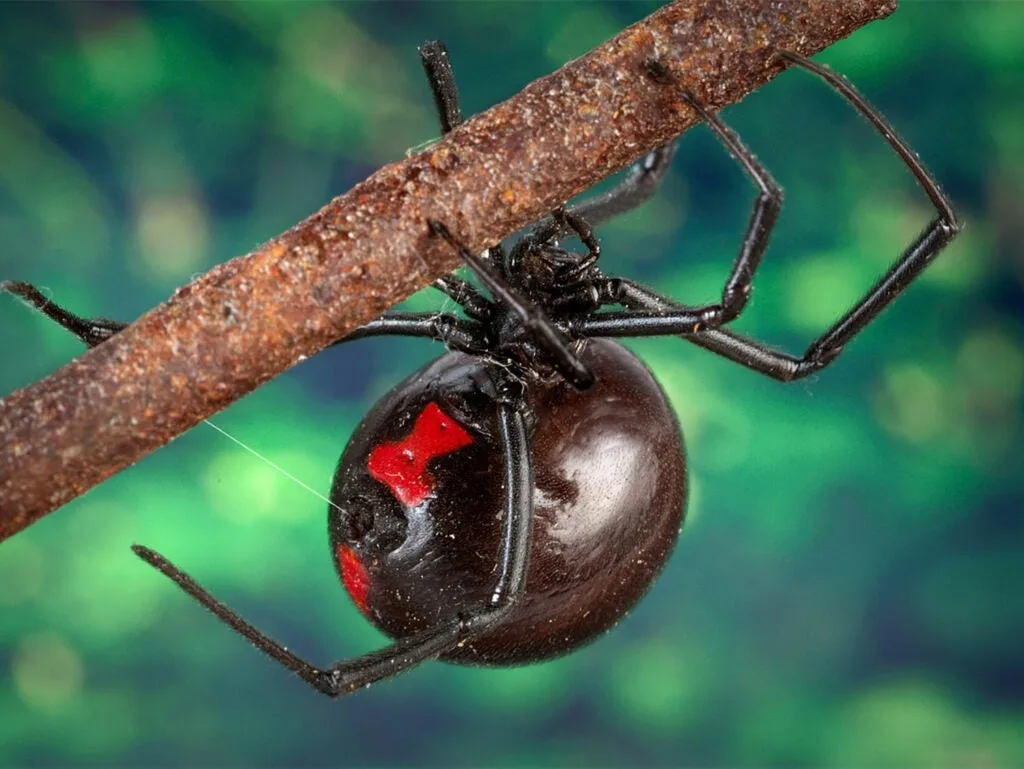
[420, 503]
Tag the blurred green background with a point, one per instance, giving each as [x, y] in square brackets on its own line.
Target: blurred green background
[848, 589]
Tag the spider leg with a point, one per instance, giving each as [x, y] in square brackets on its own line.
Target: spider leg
[90, 331]
[441, 77]
[350, 675]
[454, 332]
[649, 314]
[763, 216]
[438, 68]
[842, 86]
[640, 184]
[637, 187]
[466, 296]
[534, 320]
[826, 348]
[583, 229]
[911, 263]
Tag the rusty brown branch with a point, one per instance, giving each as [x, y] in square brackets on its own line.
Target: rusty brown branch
[252, 318]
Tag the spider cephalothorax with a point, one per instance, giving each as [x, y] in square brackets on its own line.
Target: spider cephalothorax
[553, 277]
[513, 499]
[546, 287]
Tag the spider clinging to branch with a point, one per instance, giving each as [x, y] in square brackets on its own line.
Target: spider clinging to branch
[515, 498]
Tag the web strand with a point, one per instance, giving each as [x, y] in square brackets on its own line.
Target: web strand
[277, 467]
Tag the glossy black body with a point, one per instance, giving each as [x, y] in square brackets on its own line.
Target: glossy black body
[609, 489]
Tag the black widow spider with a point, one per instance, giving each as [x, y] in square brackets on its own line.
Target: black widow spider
[516, 497]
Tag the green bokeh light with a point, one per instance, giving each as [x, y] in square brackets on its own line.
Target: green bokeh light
[846, 592]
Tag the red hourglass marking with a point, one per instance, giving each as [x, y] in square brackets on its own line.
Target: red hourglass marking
[402, 466]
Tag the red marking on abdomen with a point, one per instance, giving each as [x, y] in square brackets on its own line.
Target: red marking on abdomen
[354, 576]
[402, 466]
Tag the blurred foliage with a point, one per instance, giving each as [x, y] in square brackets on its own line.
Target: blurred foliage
[848, 589]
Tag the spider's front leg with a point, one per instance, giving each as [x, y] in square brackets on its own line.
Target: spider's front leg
[91, 331]
[513, 562]
[455, 332]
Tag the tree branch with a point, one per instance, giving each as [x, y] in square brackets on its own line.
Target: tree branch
[252, 318]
